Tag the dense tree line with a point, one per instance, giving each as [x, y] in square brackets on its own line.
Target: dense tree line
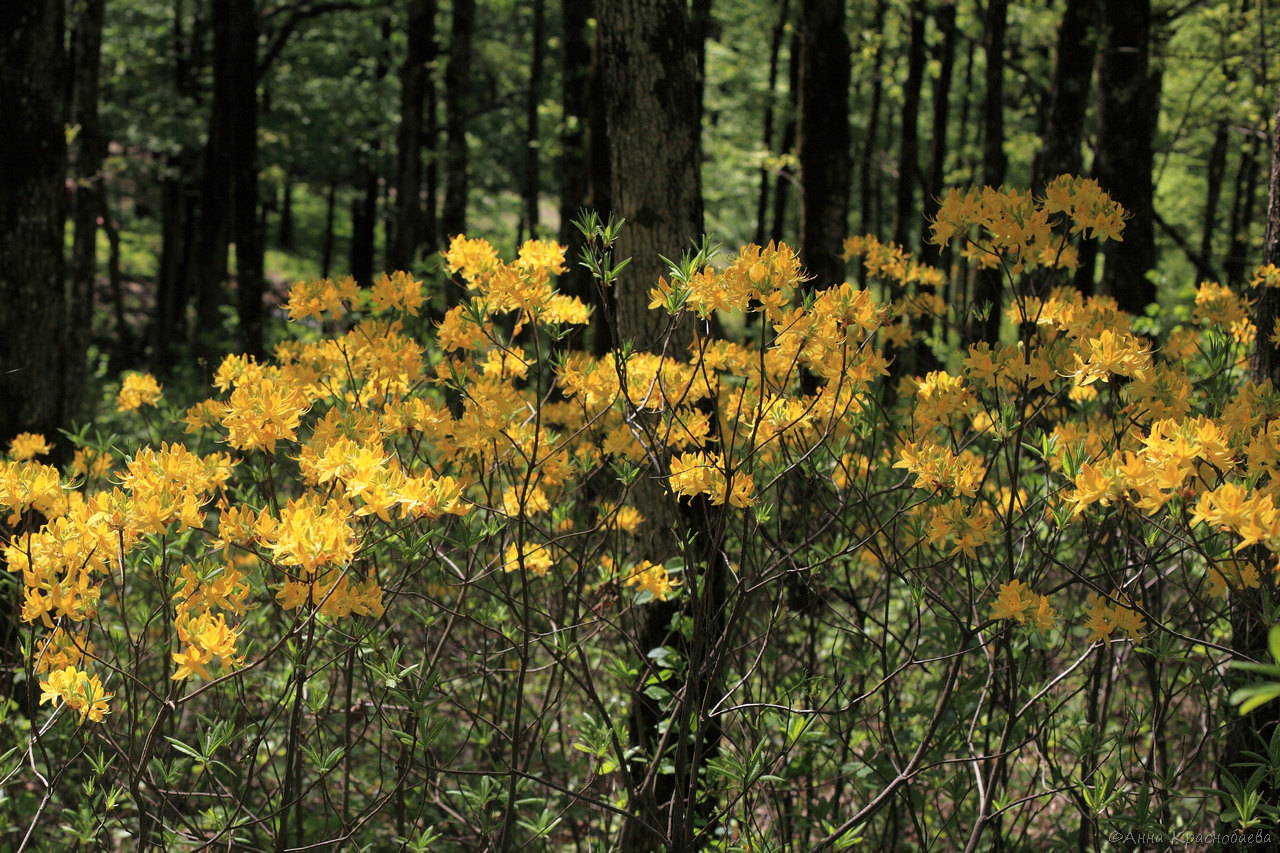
[417, 117]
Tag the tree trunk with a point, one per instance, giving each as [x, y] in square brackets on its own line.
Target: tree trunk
[946, 19]
[209, 262]
[775, 51]
[787, 174]
[905, 214]
[574, 166]
[1242, 206]
[650, 94]
[364, 220]
[1215, 174]
[650, 100]
[403, 248]
[1128, 107]
[326, 247]
[532, 101]
[87, 191]
[868, 182]
[35, 352]
[987, 285]
[1249, 628]
[246, 225]
[457, 82]
[1068, 95]
[823, 139]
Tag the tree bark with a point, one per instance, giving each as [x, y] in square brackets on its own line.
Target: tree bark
[775, 51]
[823, 139]
[1128, 107]
[1242, 205]
[1060, 153]
[868, 184]
[904, 211]
[574, 166]
[787, 174]
[87, 192]
[1249, 628]
[420, 30]
[650, 87]
[35, 352]
[946, 20]
[457, 82]
[532, 101]
[213, 236]
[246, 229]
[988, 284]
[1215, 174]
[650, 100]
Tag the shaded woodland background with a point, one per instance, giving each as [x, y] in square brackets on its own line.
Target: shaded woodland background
[172, 167]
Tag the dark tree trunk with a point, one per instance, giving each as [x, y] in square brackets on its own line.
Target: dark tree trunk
[35, 352]
[787, 174]
[87, 195]
[823, 139]
[775, 52]
[650, 97]
[1249, 628]
[457, 82]
[905, 214]
[1215, 174]
[1242, 207]
[574, 167]
[946, 20]
[326, 248]
[1060, 153]
[987, 284]
[532, 100]
[403, 248]
[180, 188]
[364, 220]
[1128, 106]
[431, 205]
[246, 225]
[868, 181]
[288, 229]
[209, 262]
[457, 87]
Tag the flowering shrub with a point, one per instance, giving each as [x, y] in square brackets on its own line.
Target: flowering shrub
[398, 586]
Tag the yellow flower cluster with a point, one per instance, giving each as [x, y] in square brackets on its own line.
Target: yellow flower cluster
[81, 692]
[938, 469]
[28, 445]
[701, 473]
[137, 390]
[1016, 601]
[1011, 227]
[652, 579]
[1105, 619]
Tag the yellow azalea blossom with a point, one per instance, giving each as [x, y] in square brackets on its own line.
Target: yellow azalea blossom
[137, 390]
[80, 690]
[534, 557]
[28, 445]
[651, 578]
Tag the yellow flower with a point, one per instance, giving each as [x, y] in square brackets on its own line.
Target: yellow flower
[651, 578]
[28, 445]
[137, 390]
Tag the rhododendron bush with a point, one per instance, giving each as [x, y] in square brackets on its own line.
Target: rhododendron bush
[397, 587]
